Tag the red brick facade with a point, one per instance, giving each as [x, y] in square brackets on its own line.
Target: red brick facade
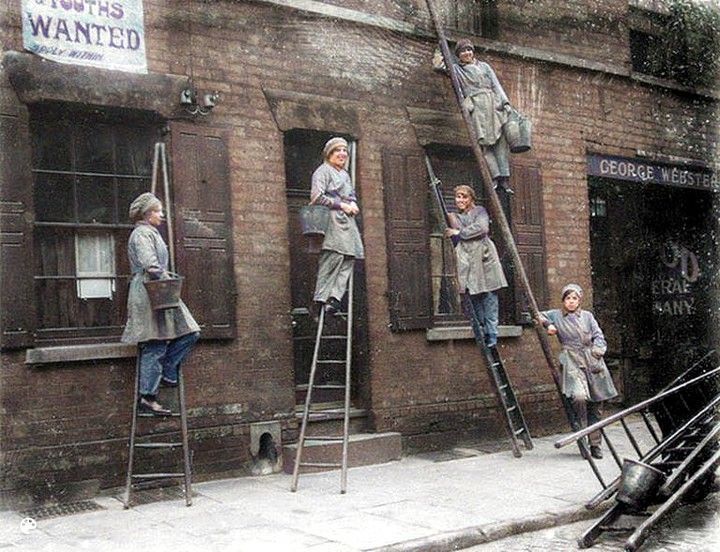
[64, 425]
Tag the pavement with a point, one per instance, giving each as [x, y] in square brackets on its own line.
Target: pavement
[449, 500]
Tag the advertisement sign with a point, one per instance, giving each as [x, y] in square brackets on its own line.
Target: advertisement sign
[95, 33]
[643, 170]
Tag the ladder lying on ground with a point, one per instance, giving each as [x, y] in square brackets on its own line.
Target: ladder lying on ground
[138, 479]
[682, 426]
[322, 343]
[507, 401]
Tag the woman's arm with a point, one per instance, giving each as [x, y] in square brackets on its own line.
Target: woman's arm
[477, 226]
[599, 345]
[146, 251]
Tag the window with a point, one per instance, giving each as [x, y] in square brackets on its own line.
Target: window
[476, 17]
[422, 281]
[87, 167]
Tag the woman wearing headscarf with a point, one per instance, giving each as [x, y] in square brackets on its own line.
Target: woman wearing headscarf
[333, 188]
[164, 337]
[488, 106]
[586, 380]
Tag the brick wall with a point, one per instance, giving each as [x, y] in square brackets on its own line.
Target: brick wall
[67, 424]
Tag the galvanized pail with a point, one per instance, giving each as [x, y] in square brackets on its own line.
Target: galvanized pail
[164, 294]
[314, 219]
[518, 132]
[639, 484]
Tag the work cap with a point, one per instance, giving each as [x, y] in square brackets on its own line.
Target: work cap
[333, 144]
[142, 204]
[570, 288]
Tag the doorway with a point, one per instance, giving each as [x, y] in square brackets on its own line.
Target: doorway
[652, 257]
[303, 154]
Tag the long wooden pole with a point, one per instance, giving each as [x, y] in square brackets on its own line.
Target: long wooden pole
[499, 215]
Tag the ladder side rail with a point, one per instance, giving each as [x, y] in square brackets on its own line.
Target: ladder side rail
[348, 376]
[589, 537]
[633, 409]
[677, 435]
[640, 534]
[675, 478]
[187, 466]
[133, 429]
[308, 400]
[500, 218]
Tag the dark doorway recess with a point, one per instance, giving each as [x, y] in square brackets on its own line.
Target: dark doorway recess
[653, 260]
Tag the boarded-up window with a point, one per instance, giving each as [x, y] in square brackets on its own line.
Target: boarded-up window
[405, 187]
[203, 223]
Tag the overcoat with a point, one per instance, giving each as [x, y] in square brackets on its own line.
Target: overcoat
[330, 186]
[478, 263]
[584, 375]
[149, 257]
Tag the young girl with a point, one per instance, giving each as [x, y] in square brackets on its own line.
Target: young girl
[586, 380]
[480, 274]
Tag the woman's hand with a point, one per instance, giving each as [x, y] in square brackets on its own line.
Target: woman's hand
[551, 329]
[450, 232]
[349, 208]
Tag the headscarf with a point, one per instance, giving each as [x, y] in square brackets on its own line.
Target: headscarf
[142, 204]
[569, 289]
[333, 144]
[467, 189]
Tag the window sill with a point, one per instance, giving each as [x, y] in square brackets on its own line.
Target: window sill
[75, 353]
[465, 332]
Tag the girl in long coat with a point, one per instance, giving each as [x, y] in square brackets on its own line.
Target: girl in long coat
[164, 337]
[586, 380]
[480, 274]
[333, 188]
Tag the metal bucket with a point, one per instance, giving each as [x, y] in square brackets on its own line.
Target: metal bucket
[164, 294]
[314, 219]
[518, 132]
[639, 484]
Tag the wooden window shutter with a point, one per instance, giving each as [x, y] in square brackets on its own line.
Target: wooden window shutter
[203, 225]
[17, 295]
[527, 228]
[406, 222]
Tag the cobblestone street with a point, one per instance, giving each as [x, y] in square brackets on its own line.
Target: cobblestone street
[693, 528]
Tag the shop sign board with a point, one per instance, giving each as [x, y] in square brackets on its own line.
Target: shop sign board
[97, 33]
[644, 170]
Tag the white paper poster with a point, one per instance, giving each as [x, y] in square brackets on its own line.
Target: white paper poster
[96, 33]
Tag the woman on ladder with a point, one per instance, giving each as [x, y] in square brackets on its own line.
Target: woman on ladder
[164, 337]
[333, 188]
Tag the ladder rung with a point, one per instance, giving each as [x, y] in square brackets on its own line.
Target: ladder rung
[157, 475]
[329, 386]
[323, 438]
[319, 465]
[496, 364]
[512, 408]
[504, 386]
[519, 431]
[327, 361]
[333, 337]
[157, 445]
[159, 418]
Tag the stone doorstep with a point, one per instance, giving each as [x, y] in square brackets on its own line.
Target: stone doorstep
[364, 449]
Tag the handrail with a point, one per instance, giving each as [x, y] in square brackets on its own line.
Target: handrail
[631, 410]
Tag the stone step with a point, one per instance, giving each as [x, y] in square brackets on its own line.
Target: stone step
[364, 449]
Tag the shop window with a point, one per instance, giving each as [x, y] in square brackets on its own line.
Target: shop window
[421, 263]
[87, 167]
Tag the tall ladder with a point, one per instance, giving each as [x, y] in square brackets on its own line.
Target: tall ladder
[139, 478]
[319, 359]
[507, 401]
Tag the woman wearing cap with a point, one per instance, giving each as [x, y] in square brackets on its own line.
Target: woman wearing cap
[480, 273]
[164, 337]
[332, 187]
[586, 380]
[488, 105]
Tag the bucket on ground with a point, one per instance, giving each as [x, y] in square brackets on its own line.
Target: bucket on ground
[164, 294]
[314, 219]
[639, 484]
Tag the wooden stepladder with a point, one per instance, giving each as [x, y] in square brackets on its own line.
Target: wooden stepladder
[139, 478]
[159, 166]
[321, 358]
